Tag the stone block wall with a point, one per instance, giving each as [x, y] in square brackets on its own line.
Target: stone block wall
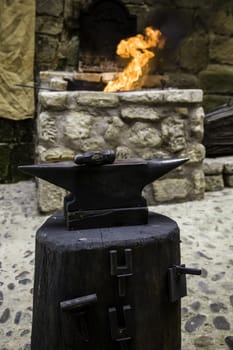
[218, 173]
[202, 58]
[144, 124]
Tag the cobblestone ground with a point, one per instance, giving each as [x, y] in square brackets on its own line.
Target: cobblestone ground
[207, 242]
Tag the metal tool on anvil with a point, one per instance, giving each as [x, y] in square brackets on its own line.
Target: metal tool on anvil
[103, 193]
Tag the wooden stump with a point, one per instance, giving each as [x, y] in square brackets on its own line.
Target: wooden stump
[73, 264]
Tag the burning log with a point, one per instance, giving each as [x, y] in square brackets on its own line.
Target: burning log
[98, 81]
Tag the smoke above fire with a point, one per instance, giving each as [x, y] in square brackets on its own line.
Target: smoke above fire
[140, 49]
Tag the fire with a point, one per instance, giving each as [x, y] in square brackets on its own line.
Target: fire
[136, 48]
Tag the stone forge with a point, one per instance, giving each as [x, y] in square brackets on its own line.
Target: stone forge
[137, 124]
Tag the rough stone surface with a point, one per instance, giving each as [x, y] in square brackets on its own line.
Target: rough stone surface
[203, 341]
[205, 228]
[194, 323]
[173, 131]
[123, 152]
[195, 305]
[197, 122]
[170, 189]
[216, 307]
[221, 49]
[72, 51]
[54, 100]
[220, 322]
[95, 144]
[47, 131]
[139, 113]
[214, 183]
[221, 21]
[54, 154]
[170, 95]
[199, 183]
[47, 49]
[228, 165]
[55, 7]
[143, 136]
[212, 101]
[228, 180]
[113, 130]
[50, 197]
[5, 316]
[195, 153]
[193, 52]
[217, 79]
[135, 124]
[228, 285]
[58, 84]
[49, 25]
[76, 127]
[222, 168]
[212, 166]
[190, 96]
[97, 99]
[218, 276]
[183, 81]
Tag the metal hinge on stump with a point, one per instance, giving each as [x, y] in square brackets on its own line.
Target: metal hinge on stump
[177, 281]
[121, 271]
[73, 319]
[121, 333]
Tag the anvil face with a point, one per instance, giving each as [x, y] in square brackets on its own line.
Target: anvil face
[106, 191]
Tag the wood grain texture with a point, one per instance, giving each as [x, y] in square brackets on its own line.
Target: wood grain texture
[71, 264]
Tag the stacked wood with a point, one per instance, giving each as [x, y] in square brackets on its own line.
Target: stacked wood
[218, 137]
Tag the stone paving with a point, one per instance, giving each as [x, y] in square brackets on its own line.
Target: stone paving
[206, 233]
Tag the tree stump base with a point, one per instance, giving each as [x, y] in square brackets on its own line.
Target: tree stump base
[106, 288]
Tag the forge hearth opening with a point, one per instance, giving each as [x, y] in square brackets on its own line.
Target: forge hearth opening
[102, 26]
[92, 32]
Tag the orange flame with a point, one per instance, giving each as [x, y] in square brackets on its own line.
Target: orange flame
[136, 48]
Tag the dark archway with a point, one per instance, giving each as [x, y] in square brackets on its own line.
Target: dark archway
[102, 26]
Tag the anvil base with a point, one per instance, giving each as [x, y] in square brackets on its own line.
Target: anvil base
[83, 219]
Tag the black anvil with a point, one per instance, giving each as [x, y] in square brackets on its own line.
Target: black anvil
[104, 195]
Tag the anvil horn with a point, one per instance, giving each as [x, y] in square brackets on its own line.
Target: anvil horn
[59, 174]
[160, 167]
